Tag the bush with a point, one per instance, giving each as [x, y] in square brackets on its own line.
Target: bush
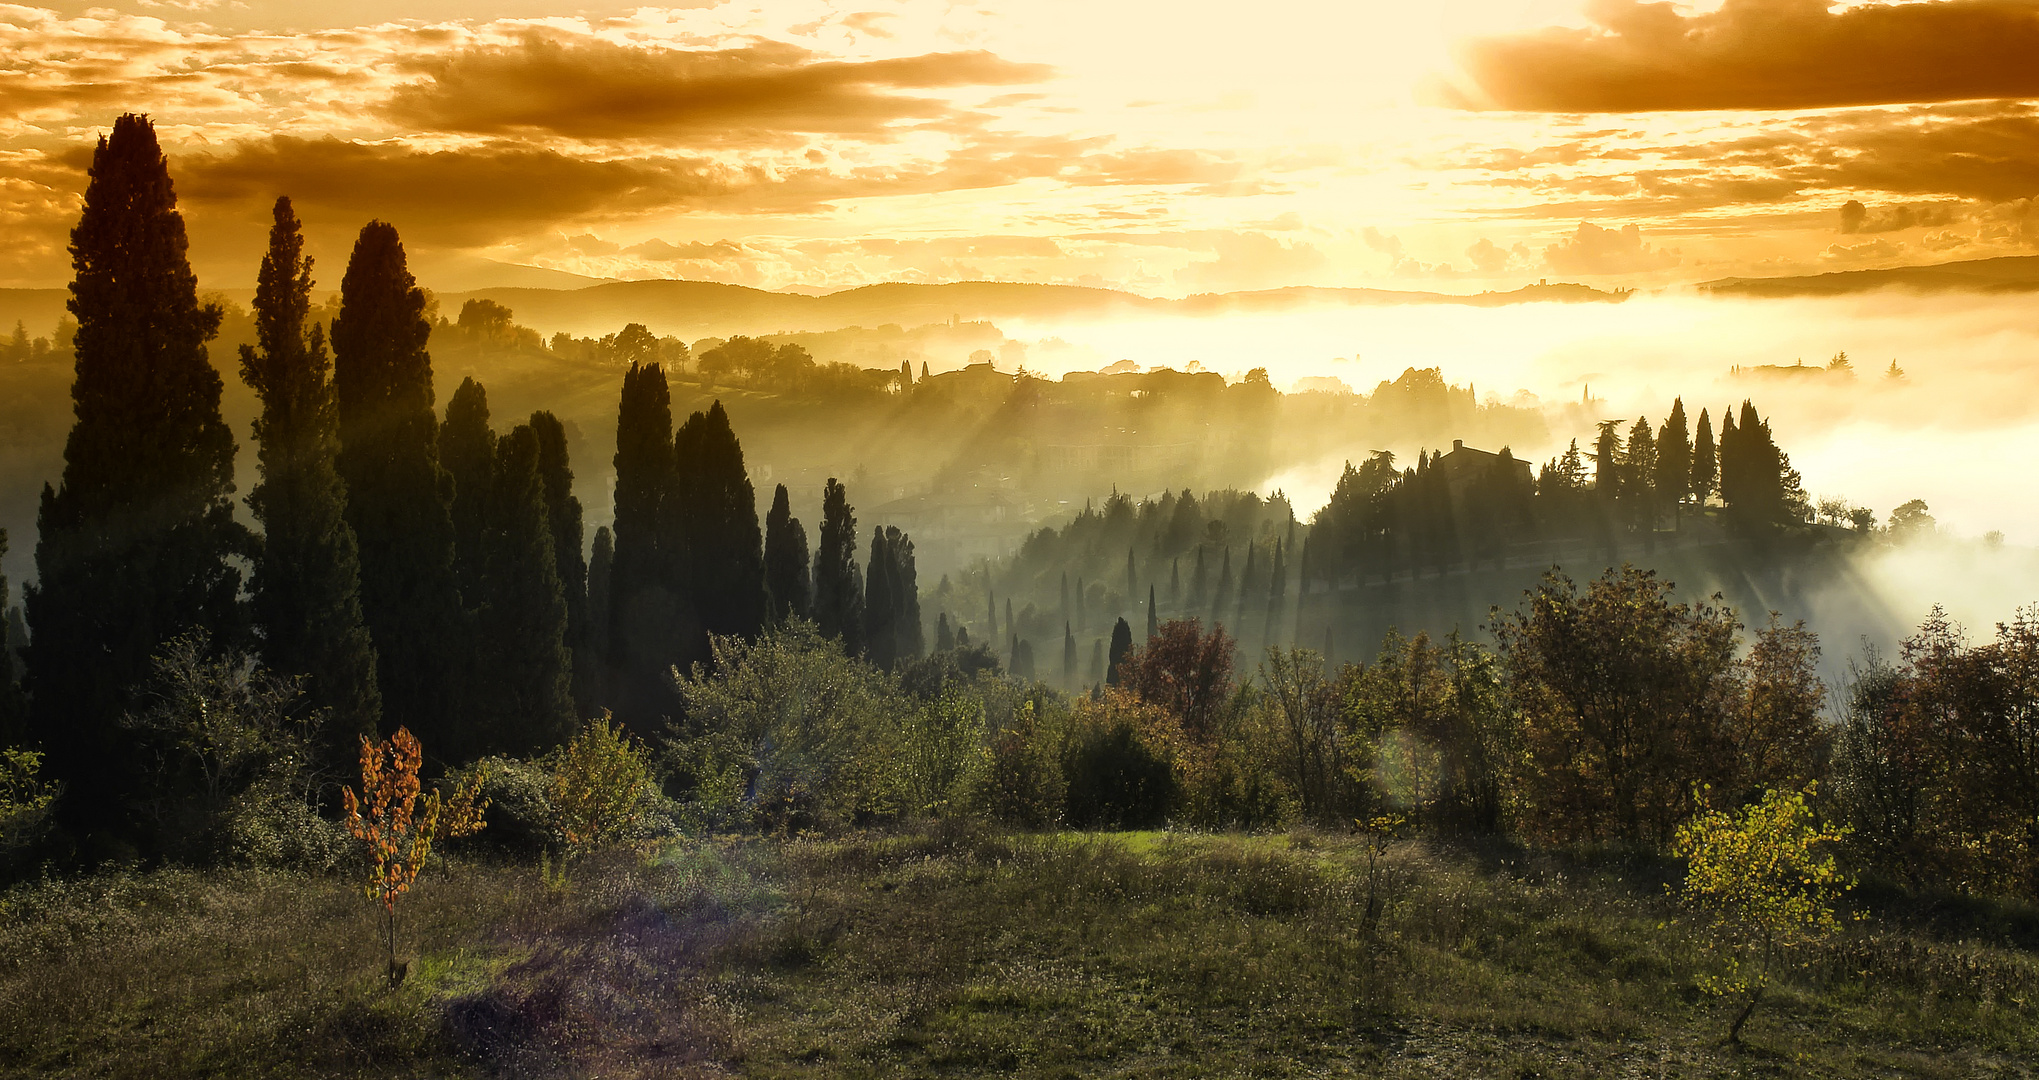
[1118, 764]
[1018, 780]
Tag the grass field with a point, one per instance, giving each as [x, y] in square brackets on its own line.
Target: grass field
[954, 952]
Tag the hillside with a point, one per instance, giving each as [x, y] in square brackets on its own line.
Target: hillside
[2010, 273]
[962, 953]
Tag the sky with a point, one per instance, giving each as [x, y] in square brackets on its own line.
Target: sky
[1168, 149]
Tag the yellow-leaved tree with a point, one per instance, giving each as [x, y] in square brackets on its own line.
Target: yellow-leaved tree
[1764, 878]
[599, 781]
[399, 827]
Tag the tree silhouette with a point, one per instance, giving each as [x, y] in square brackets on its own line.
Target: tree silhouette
[467, 448]
[524, 679]
[134, 542]
[644, 609]
[786, 568]
[307, 581]
[838, 588]
[724, 550]
[398, 496]
[563, 514]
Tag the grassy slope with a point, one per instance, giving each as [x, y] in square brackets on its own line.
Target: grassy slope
[953, 953]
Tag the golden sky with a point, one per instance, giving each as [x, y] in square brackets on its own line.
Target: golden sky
[1169, 148]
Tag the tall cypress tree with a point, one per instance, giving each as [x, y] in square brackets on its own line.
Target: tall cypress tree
[1704, 465]
[945, 638]
[643, 608]
[725, 551]
[881, 643]
[563, 513]
[13, 705]
[1153, 615]
[398, 496]
[786, 571]
[1122, 643]
[1069, 657]
[838, 589]
[601, 567]
[307, 586]
[1674, 459]
[910, 640]
[1132, 581]
[135, 541]
[467, 448]
[525, 670]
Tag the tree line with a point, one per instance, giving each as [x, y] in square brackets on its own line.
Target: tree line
[411, 569]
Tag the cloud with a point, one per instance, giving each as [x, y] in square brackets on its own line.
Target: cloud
[1594, 250]
[1760, 54]
[1875, 250]
[757, 94]
[692, 251]
[1858, 218]
[1252, 260]
[460, 197]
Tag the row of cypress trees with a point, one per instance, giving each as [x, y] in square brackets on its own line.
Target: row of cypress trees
[415, 570]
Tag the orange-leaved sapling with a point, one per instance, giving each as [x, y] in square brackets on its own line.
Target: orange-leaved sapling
[399, 827]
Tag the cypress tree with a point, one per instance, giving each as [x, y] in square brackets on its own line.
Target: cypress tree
[307, 587]
[398, 496]
[838, 589]
[786, 574]
[467, 448]
[1674, 458]
[1068, 657]
[563, 514]
[1079, 600]
[1132, 581]
[1153, 615]
[601, 575]
[945, 638]
[1174, 582]
[1023, 659]
[1122, 643]
[1065, 597]
[525, 682]
[725, 549]
[912, 641]
[991, 616]
[135, 540]
[1729, 453]
[13, 706]
[1704, 465]
[643, 608]
[881, 643]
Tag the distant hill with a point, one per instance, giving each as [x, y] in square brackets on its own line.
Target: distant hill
[694, 309]
[2010, 273]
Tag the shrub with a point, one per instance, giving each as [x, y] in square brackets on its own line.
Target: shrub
[1763, 888]
[599, 780]
[1018, 779]
[25, 803]
[1118, 761]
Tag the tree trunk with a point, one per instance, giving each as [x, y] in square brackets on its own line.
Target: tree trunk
[1734, 1032]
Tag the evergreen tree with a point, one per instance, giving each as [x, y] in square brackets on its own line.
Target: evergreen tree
[1023, 659]
[1674, 458]
[1132, 581]
[945, 638]
[1122, 643]
[786, 573]
[307, 587]
[1705, 468]
[725, 561]
[601, 577]
[563, 514]
[838, 589]
[912, 641]
[524, 682]
[1175, 582]
[644, 610]
[1224, 592]
[1068, 657]
[398, 496]
[134, 543]
[1079, 601]
[1153, 615]
[880, 641]
[991, 616]
[1728, 452]
[13, 706]
[467, 449]
[1639, 474]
